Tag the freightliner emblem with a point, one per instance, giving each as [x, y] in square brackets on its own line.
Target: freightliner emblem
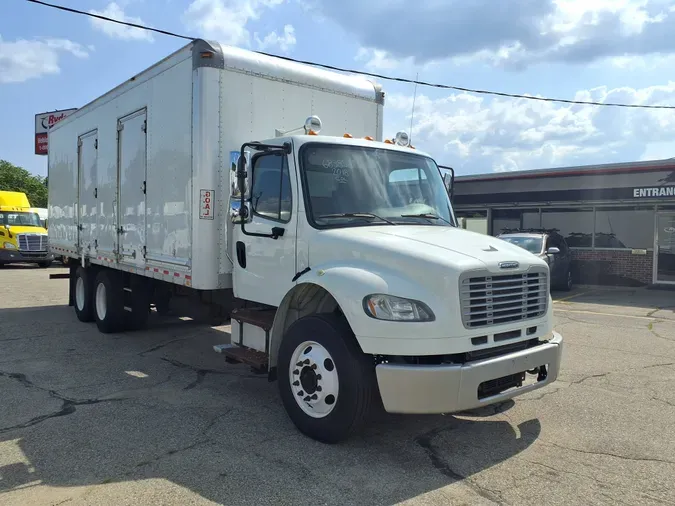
[508, 265]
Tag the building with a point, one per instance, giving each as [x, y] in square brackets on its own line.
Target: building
[618, 219]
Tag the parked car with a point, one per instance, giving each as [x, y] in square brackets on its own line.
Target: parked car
[549, 245]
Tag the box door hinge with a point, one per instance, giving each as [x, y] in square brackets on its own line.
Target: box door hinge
[143, 187]
[144, 126]
[95, 143]
[144, 250]
[95, 193]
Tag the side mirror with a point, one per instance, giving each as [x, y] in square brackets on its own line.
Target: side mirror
[241, 175]
[448, 180]
[553, 250]
[237, 216]
[236, 166]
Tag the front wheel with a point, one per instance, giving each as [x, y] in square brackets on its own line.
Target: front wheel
[327, 384]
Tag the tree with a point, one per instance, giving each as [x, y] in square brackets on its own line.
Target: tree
[17, 179]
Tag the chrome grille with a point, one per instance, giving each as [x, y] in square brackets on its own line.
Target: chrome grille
[33, 242]
[496, 299]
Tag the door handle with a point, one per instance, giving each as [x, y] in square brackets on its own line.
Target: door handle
[241, 254]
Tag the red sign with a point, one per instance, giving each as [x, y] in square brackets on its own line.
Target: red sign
[43, 122]
[41, 144]
[206, 204]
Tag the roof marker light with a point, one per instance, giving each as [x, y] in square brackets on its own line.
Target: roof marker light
[368, 138]
[312, 125]
[402, 139]
[348, 136]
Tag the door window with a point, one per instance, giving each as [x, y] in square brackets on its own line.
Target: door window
[271, 188]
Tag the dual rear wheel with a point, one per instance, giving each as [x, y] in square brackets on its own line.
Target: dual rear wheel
[100, 295]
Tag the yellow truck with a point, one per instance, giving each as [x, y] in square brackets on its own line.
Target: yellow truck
[23, 239]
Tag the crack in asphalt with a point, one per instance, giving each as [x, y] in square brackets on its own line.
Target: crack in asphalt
[425, 442]
[603, 374]
[609, 454]
[203, 440]
[68, 406]
[201, 372]
[162, 345]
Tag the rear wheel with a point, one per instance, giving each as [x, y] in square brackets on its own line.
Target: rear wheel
[326, 383]
[83, 300]
[109, 302]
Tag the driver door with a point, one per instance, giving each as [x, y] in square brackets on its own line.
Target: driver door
[264, 266]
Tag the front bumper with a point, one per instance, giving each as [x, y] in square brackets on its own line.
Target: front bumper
[429, 389]
[8, 256]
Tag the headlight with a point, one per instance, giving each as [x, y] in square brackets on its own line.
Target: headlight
[391, 308]
[8, 245]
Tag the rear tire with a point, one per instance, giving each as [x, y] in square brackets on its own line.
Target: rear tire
[139, 302]
[83, 301]
[330, 395]
[109, 302]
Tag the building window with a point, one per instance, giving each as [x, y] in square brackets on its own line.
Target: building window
[504, 220]
[575, 225]
[624, 228]
[271, 189]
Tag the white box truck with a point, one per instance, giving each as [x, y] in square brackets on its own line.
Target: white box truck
[265, 188]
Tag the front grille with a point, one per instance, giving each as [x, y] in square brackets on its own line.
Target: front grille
[33, 242]
[496, 299]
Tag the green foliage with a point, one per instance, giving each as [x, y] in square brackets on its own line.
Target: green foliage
[17, 179]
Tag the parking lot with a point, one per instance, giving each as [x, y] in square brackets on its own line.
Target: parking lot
[156, 417]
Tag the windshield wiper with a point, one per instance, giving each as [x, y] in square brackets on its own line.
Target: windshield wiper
[356, 215]
[429, 216]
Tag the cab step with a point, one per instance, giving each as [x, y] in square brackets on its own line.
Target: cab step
[235, 354]
[259, 317]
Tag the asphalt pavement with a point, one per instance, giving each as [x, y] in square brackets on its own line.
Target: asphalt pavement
[156, 417]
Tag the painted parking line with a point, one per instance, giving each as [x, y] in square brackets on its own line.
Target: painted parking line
[578, 311]
[565, 299]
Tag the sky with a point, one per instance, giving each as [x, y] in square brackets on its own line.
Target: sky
[601, 50]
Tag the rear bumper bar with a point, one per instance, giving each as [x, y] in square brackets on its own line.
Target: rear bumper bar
[428, 389]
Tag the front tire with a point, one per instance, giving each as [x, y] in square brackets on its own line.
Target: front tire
[327, 384]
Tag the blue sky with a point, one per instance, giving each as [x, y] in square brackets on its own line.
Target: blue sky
[606, 50]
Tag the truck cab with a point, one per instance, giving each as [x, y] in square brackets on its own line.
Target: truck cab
[23, 237]
[364, 290]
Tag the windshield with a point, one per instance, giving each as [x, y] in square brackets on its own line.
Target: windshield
[531, 244]
[15, 219]
[354, 186]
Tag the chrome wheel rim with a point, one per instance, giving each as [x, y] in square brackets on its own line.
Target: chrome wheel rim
[101, 301]
[314, 379]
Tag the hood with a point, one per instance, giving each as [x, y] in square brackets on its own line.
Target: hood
[451, 247]
[17, 229]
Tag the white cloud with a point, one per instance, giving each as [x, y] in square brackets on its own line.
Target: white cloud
[480, 134]
[117, 31]
[284, 42]
[227, 20]
[514, 34]
[377, 59]
[23, 59]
